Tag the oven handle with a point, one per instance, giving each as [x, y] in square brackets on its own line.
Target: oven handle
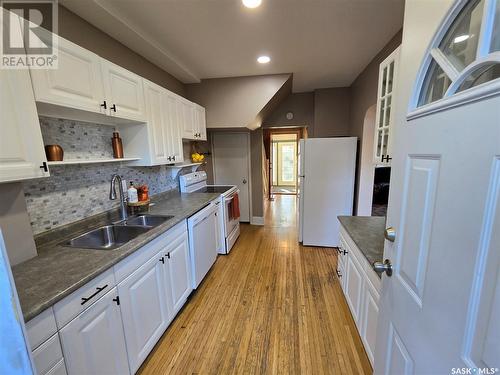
[231, 196]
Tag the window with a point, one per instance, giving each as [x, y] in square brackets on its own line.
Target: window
[465, 55]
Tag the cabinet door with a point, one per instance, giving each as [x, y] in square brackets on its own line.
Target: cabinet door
[369, 318]
[123, 92]
[174, 128]
[179, 271]
[157, 124]
[76, 83]
[185, 110]
[354, 288]
[144, 309]
[21, 144]
[201, 123]
[385, 113]
[93, 342]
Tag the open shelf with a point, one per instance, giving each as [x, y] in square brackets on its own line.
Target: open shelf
[175, 168]
[90, 161]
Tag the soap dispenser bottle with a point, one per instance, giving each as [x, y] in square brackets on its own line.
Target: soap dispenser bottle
[132, 194]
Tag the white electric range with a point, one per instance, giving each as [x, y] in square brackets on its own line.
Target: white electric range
[229, 226]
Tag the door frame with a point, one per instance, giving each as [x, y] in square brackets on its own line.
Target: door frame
[249, 161]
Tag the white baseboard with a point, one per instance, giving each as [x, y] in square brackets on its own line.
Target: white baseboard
[257, 220]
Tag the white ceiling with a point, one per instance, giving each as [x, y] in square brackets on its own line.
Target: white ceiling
[324, 43]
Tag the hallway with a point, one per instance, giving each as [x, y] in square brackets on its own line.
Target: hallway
[270, 307]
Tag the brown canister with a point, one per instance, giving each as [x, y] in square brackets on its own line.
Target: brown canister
[54, 153]
[116, 141]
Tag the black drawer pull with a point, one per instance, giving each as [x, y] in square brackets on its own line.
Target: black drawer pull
[98, 290]
[162, 259]
[113, 108]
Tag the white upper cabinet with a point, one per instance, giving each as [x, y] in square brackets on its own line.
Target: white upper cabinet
[22, 155]
[157, 124]
[385, 112]
[191, 118]
[76, 83]
[174, 129]
[200, 123]
[123, 91]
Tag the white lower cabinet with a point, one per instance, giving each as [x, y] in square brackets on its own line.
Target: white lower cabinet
[361, 288]
[93, 342]
[179, 271]
[143, 299]
[48, 357]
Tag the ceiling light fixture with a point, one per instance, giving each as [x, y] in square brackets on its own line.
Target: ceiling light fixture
[251, 3]
[461, 38]
[263, 59]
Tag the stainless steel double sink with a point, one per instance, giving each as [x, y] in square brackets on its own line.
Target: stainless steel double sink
[109, 237]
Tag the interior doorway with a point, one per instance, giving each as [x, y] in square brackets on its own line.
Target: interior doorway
[284, 148]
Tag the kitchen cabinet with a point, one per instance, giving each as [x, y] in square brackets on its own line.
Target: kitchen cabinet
[174, 129]
[93, 342]
[361, 287]
[384, 121]
[48, 357]
[76, 83]
[200, 127]
[22, 154]
[143, 299]
[178, 277]
[123, 91]
[191, 116]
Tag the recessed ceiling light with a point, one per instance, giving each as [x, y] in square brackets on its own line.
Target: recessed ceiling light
[461, 38]
[251, 3]
[263, 59]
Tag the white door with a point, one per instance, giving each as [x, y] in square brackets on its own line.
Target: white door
[124, 92]
[157, 124]
[440, 309]
[143, 299]
[174, 128]
[76, 83]
[93, 342]
[22, 155]
[179, 271]
[231, 158]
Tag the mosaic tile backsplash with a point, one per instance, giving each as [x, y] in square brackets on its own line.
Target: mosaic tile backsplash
[73, 192]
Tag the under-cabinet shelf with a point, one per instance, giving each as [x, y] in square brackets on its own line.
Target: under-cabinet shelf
[90, 161]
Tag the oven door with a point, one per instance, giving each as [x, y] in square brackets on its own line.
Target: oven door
[230, 222]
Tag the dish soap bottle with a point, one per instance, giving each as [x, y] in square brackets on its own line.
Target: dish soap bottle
[132, 193]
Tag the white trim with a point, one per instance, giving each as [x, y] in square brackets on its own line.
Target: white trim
[445, 64]
[257, 220]
[487, 24]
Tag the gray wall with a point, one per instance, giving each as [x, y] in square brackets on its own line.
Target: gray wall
[331, 112]
[300, 104]
[79, 31]
[256, 145]
[236, 102]
[15, 223]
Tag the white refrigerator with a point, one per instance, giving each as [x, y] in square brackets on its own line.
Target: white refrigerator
[326, 174]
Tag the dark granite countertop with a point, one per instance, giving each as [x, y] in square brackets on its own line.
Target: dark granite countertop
[57, 271]
[367, 232]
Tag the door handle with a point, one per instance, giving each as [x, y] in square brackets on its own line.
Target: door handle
[244, 180]
[386, 267]
[390, 234]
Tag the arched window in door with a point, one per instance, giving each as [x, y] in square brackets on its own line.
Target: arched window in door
[463, 60]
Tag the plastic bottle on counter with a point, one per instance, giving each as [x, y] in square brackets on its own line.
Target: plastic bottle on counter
[132, 193]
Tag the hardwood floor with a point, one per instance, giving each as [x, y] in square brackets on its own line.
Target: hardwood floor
[270, 307]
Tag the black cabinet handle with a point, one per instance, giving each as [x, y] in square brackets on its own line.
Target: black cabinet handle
[173, 158]
[44, 167]
[339, 275]
[98, 290]
[117, 300]
[169, 158]
[104, 105]
[113, 107]
[162, 259]
[167, 255]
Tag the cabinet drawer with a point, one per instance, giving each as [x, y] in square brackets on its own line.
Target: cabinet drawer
[79, 300]
[127, 266]
[41, 327]
[48, 355]
[58, 369]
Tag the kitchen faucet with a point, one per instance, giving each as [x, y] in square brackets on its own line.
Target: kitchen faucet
[123, 199]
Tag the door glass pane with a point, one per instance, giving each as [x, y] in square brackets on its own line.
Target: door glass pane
[388, 111]
[385, 142]
[435, 84]
[379, 143]
[384, 81]
[288, 163]
[481, 75]
[390, 78]
[460, 43]
[381, 116]
[495, 38]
